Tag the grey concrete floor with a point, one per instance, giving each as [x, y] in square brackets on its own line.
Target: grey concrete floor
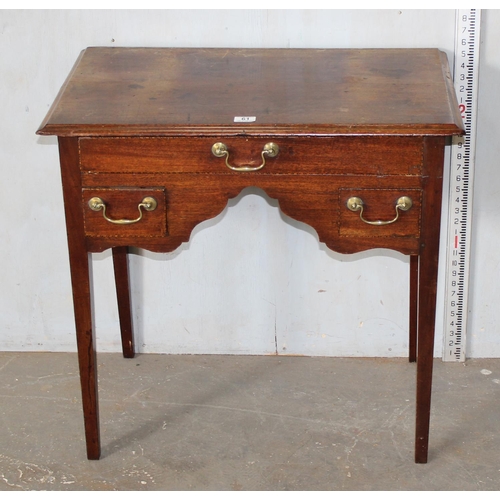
[247, 423]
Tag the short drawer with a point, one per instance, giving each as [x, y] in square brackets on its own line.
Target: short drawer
[359, 155]
[379, 212]
[117, 212]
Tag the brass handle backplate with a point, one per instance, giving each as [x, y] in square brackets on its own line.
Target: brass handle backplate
[220, 150]
[355, 204]
[148, 203]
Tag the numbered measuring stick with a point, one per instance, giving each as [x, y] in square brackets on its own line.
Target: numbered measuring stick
[461, 185]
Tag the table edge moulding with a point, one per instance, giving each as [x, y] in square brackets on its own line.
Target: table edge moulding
[153, 141]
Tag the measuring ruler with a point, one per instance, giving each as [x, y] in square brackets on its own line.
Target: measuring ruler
[466, 67]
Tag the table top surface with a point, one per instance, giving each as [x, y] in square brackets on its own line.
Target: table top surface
[194, 91]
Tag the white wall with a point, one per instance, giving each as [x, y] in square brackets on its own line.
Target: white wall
[250, 281]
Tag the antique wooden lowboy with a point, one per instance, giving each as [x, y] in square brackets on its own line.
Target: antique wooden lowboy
[153, 141]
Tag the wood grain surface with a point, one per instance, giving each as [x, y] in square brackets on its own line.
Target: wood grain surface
[138, 91]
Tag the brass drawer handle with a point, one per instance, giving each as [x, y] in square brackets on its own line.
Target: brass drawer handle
[270, 149]
[354, 204]
[148, 203]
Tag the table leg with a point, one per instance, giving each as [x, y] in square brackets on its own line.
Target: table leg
[80, 277]
[413, 308]
[120, 263]
[427, 289]
[425, 347]
[82, 299]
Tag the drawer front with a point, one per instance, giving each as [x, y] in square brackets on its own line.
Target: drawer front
[379, 212]
[359, 155]
[124, 212]
[319, 201]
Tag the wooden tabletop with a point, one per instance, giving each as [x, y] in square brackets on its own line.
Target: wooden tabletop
[170, 91]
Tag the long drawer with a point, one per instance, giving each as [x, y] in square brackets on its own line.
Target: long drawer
[296, 155]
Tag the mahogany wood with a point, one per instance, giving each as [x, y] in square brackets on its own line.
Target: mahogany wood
[413, 308]
[317, 200]
[82, 290]
[297, 155]
[123, 203]
[120, 264]
[120, 91]
[432, 183]
[365, 123]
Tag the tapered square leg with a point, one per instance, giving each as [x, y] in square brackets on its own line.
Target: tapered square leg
[425, 352]
[427, 288]
[120, 263]
[82, 293]
[86, 351]
[413, 316]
